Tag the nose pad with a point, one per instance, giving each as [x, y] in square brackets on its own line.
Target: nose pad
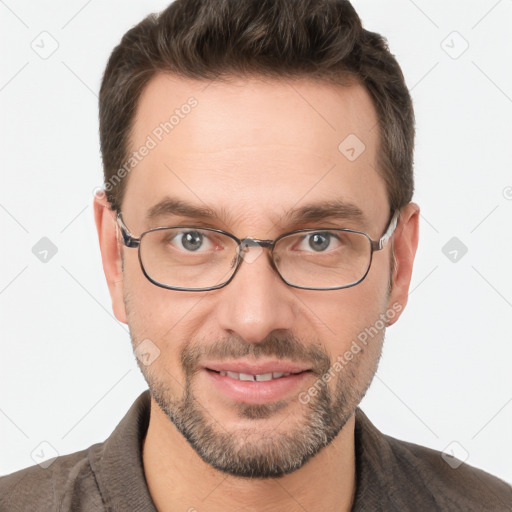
[250, 250]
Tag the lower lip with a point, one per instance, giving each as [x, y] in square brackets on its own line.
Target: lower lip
[253, 392]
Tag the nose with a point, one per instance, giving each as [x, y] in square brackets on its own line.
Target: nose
[256, 301]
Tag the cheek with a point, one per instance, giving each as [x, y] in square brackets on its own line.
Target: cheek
[349, 320]
[346, 311]
[166, 317]
[356, 347]
[145, 302]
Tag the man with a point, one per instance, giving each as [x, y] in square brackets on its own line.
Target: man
[256, 224]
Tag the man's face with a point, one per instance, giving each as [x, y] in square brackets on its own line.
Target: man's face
[252, 151]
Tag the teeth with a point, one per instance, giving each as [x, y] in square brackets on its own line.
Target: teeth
[258, 378]
[263, 377]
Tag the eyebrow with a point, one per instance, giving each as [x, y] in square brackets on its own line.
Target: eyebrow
[336, 209]
[169, 206]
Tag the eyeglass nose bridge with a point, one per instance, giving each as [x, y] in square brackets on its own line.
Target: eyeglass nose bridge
[256, 245]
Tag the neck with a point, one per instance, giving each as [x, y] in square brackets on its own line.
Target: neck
[178, 479]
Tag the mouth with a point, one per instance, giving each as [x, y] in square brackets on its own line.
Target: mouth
[258, 377]
[244, 382]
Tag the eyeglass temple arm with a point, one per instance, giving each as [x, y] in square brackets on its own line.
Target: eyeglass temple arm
[381, 243]
[128, 239]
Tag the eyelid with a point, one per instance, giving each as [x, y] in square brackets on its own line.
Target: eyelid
[176, 240]
[304, 238]
[325, 225]
[185, 223]
[195, 225]
[335, 231]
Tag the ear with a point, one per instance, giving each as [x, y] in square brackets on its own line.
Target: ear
[405, 244]
[110, 247]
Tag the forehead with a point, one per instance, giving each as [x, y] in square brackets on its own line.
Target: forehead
[254, 148]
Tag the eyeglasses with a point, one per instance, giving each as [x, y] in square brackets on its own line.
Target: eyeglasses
[191, 258]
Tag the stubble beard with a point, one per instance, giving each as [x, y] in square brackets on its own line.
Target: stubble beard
[264, 452]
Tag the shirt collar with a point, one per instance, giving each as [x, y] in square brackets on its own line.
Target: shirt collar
[117, 463]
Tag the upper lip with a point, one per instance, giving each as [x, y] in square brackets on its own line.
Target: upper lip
[258, 368]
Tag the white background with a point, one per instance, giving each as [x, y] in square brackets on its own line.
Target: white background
[67, 373]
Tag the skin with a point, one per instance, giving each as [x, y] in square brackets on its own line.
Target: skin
[254, 149]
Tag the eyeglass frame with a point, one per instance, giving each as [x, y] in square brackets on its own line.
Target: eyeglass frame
[131, 241]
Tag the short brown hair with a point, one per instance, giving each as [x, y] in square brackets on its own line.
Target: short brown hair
[211, 39]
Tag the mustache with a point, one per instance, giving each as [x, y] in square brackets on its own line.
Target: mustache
[279, 346]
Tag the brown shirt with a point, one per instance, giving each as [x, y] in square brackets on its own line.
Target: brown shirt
[392, 475]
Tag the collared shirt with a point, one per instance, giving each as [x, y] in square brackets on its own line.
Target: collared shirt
[392, 475]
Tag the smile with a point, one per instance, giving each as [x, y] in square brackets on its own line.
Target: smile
[259, 386]
[255, 377]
